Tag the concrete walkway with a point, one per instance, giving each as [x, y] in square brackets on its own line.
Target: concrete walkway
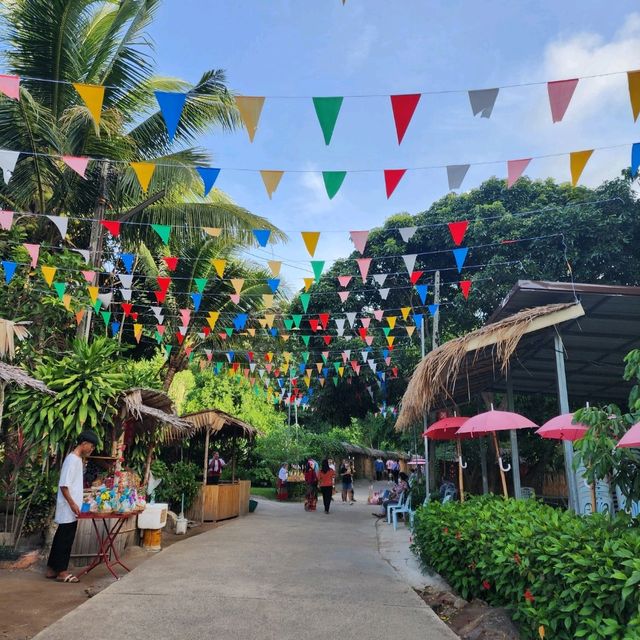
[279, 574]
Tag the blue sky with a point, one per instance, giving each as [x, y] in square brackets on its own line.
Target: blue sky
[322, 48]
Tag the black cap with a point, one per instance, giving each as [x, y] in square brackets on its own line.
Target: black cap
[89, 436]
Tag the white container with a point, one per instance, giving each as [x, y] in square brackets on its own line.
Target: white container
[181, 526]
[154, 516]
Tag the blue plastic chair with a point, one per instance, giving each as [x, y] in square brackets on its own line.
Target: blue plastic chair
[405, 508]
[403, 497]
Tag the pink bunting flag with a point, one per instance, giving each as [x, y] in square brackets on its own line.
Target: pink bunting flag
[363, 265]
[343, 295]
[457, 231]
[89, 276]
[34, 252]
[185, 315]
[560, 94]
[515, 168]
[160, 328]
[392, 178]
[79, 165]
[378, 314]
[235, 298]
[365, 322]
[369, 340]
[10, 86]
[359, 239]
[6, 219]
[344, 280]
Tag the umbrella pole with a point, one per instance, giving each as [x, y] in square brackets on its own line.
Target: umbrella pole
[498, 458]
[460, 468]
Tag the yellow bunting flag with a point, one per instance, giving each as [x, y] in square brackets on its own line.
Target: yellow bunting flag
[307, 381]
[48, 273]
[405, 312]
[219, 266]
[213, 231]
[287, 356]
[275, 265]
[137, 332]
[263, 322]
[250, 108]
[267, 299]
[285, 336]
[66, 301]
[271, 180]
[310, 240]
[634, 92]
[237, 284]
[284, 368]
[79, 316]
[322, 382]
[392, 321]
[93, 293]
[319, 366]
[308, 282]
[213, 318]
[578, 161]
[144, 172]
[269, 317]
[251, 332]
[92, 95]
[390, 340]
[410, 329]
[341, 371]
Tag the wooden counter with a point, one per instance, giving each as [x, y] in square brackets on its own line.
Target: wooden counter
[221, 501]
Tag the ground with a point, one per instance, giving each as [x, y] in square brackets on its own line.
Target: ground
[278, 573]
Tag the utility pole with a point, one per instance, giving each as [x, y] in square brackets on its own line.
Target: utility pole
[95, 243]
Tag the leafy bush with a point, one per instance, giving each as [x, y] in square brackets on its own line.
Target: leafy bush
[577, 577]
[261, 475]
[181, 478]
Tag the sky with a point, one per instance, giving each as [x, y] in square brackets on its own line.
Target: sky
[291, 50]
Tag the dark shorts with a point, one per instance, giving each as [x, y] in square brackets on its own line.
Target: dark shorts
[347, 485]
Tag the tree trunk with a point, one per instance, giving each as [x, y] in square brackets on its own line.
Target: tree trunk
[176, 363]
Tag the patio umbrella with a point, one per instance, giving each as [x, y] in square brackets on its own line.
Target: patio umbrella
[492, 422]
[562, 428]
[447, 429]
[631, 438]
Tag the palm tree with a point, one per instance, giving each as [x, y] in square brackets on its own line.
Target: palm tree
[103, 42]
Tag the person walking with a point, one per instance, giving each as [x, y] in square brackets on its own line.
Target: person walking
[390, 469]
[379, 468]
[311, 480]
[282, 484]
[346, 473]
[325, 482]
[68, 505]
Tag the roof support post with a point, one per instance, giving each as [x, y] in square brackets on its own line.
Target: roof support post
[427, 470]
[515, 454]
[563, 401]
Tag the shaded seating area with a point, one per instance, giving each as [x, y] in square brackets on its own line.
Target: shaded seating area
[364, 458]
[227, 499]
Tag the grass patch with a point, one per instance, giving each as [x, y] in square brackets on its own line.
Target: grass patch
[264, 492]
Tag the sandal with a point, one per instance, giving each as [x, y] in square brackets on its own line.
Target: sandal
[68, 578]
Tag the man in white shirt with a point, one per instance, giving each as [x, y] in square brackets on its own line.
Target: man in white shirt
[68, 505]
[216, 465]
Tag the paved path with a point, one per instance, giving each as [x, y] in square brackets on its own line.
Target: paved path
[277, 574]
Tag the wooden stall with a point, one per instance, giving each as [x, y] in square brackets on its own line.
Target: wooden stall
[227, 499]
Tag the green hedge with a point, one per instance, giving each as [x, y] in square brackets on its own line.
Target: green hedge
[578, 577]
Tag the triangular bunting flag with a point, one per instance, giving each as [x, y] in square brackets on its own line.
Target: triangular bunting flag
[6, 220]
[308, 283]
[163, 230]
[344, 280]
[384, 293]
[9, 270]
[363, 265]
[410, 261]
[410, 329]
[106, 316]
[378, 314]
[577, 162]
[219, 265]
[197, 301]
[48, 273]
[392, 178]
[275, 266]
[380, 278]
[433, 309]
[633, 78]
[343, 295]
[127, 261]
[8, 160]
[406, 233]
[351, 318]
[635, 159]
[34, 251]
[460, 255]
[465, 287]
[515, 168]
[327, 110]
[214, 232]
[415, 276]
[105, 299]
[250, 108]
[456, 174]
[271, 180]
[201, 283]
[457, 231]
[144, 173]
[171, 105]
[304, 299]
[359, 239]
[79, 316]
[333, 181]
[208, 175]
[79, 165]
[317, 266]
[422, 292]
[403, 107]
[560, 94]
[482, 101]
[61, 223]
[297, 319]
[310, 240]
[112, 226]
[92, 95]
[237, 284]
[89, 276]
[171, 262]
[273, 284]
[267, 300]
[262, 236]
[10, 86]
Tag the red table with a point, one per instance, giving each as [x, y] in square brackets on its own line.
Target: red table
[106, 537]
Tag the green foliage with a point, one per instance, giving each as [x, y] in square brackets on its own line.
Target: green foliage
[87, 381]
[178, 479]
[182, 383]
[145, 373]
[577, 577]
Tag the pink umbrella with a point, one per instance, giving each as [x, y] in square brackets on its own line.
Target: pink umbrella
[447, 429]
[631, 438]
[491, 422]
[563, 428]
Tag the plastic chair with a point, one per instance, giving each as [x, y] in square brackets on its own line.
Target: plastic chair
[403, 497]
[527, 493]
[405, 508]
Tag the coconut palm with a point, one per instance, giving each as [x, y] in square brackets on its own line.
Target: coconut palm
[104, 42]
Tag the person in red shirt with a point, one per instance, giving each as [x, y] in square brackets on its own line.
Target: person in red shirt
[311, 480]
[325, 482]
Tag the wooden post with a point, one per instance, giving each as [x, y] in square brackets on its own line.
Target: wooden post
[460, 478]
[502, 476]
[233, 460]
[204, 471]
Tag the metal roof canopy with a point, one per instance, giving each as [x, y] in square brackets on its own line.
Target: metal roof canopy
[595, 345]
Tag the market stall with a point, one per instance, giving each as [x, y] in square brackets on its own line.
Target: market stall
[227, 499]
[144, 416]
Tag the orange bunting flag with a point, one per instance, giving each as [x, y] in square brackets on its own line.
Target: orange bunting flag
[250, 108]
[275, 265]
[410, 329]
[310, 240]
[237, 284]
[633, 78]
[213, 231]
[219, 266]
[271, 180]
[66, 301]
[577, 162]
[92, 95]
[267, 299]
[405, 312]
[144, 172]
[79, 316]
[251, 332]
[308, 282]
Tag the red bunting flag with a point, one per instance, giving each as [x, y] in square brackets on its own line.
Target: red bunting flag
[392, 178]
[314, 324]
[363, 333]
[457, 231]
[415, 276]
[163, 283]
[465, 287]
[112, 226]
[180, 337]
[403, 107]
[327, 340]
[324, 320]
[126, 307]
[160, 296]
[171, 263]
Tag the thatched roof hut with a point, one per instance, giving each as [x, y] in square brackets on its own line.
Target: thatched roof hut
[220, 423]
[15, 375]
[151, 409]
[446, 368]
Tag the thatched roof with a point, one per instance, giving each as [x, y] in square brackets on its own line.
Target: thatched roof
[9, 373]
[220, 423]
[10, 330]
[151, 409]
[373, 453]
[435, 377]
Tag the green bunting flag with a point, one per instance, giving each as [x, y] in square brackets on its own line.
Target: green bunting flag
[335, 381]
[297, 319]
[387, 330]
[305, 355]
[228, 331]
[201, 283]
[336, 366]
[158, 337]
[317, 266]
[60, 288]
[306, 339]
[304, 298]
[106, 316]
[288, 323]
[333, 181]
[163, 230]
[97, 305]
[327, 110]
[167, 349]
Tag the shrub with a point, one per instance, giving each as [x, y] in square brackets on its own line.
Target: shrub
[178, 479]
[578, 577]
